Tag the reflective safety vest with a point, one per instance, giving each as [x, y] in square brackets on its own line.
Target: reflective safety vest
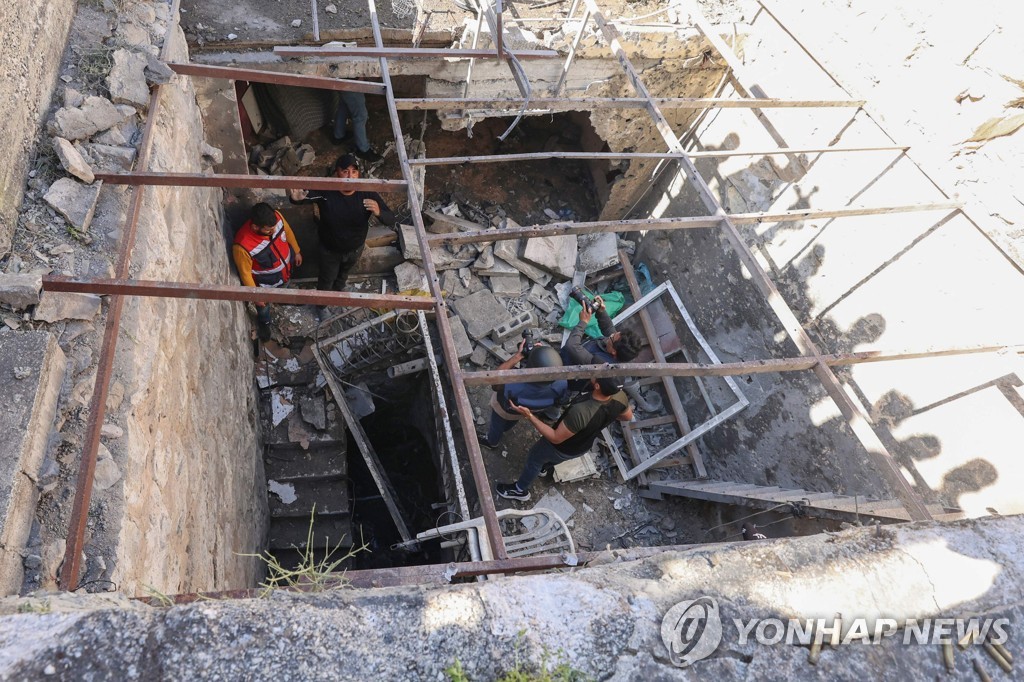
[272, 259]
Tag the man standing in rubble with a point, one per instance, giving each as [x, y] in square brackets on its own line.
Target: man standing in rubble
[265, 251]
[571, 436]
[343, 222]
[613, 347]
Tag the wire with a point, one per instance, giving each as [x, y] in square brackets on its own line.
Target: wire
[770, 523]
[764, 511]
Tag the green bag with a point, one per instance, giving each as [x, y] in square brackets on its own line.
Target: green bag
[614, 301]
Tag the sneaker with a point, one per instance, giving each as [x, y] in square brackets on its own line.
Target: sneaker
[263, 331]
[511, 491]
[347, 138]
[547, 470]
[369, 155]
[481, 436]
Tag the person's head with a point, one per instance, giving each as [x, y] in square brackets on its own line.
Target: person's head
[264, 219]
[608, 386]
[624, 345]
[346, 167]
[543, 356]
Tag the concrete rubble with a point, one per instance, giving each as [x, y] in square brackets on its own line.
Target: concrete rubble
[20, 291]
[75, 201]
[72, 160]
[57, 306]
[95, 115]
[127, 79]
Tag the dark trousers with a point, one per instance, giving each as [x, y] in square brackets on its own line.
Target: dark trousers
[334, 268]
[542, 452]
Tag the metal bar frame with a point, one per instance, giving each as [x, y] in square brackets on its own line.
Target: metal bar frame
[119, 286]
[228, 180]
[548, 104]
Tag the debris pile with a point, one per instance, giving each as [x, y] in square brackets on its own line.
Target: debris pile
[280, 157]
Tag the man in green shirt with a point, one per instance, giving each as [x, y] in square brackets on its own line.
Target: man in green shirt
[571, 436]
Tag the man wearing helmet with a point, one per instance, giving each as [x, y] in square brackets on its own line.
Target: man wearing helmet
[537, 396]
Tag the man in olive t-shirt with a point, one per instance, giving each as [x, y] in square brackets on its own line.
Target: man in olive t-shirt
[571, 436]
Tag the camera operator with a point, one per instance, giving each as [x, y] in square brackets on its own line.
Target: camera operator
[614, 346]
[537, 396]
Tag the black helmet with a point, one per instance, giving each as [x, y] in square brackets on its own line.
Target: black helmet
[543, 356]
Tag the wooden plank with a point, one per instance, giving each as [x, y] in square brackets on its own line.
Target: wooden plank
[683, 223]
[555, 104]
[251, 181]
[380, 478]
[408, 53]
[854, 413]
[656, 421]
[454, 368]
[599, 156]
[276, 77]
[675, 403]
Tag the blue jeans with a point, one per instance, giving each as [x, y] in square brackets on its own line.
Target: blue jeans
[498, 427]
[352, 105]
[542, 452]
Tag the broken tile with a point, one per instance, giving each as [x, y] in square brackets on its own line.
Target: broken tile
[556, 255]
[280, 404]
[481, 313]
[463, 346]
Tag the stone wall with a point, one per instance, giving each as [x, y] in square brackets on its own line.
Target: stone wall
[193, 497]
[30, 54]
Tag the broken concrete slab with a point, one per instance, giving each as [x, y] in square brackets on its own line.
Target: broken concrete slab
[55, 306]
[507, 285]
[379, 235]
[107, 472]
[377, 260]
[20, 291]
[542, 298]
[127, 79]
[439, 223]
[75, 201]
[410, 277]
[157, 73]
[110, 158]
[597, 251]
[576, 468]
[463, 346]
[72, 160]
[556, 255]
[95, 115]
[557, 503]
[446, 260]
[508, 250]
[485, 260]
[32, 369]
[498, 267]
[313, 410]
[481, 312]
[479, 356]
[410, 245]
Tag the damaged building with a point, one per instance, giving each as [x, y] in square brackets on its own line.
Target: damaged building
[817, 256]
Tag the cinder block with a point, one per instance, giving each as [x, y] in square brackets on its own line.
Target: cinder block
[514, 326]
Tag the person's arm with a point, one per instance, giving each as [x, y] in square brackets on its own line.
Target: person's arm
[578, 355]
[293, 243]
[604, 320]
[510, 364]
[553, 436]
[626, 416]
[243, 261]
[301, 196]
[375, 205]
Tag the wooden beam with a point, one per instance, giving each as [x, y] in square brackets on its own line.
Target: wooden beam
[277, 78]
[615, 156]
[725, 369]
[408, 53]
[692, 222]
[855, 415]
[251, 181]
[467, 418]
[667, 382]
[513, 105]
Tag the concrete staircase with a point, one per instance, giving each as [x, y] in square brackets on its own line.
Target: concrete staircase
[823, 505]
[317, 476]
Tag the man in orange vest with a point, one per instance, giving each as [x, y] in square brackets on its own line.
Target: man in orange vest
[265, 252]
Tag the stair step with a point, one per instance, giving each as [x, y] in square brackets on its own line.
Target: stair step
[329, 497]
[309, 465]
[293, 532]
[788, 495]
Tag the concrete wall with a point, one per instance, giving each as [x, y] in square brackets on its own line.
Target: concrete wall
[33, 33]
[193, 496]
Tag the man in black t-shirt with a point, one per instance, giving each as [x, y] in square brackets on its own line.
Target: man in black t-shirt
[343, 223]
[571, 436]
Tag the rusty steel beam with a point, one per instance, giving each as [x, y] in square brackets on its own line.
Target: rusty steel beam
[71, 566]
[511, 105]
[726, 369]
[251, 181]
[220, 292]
[276, 77]
[409, 53]
[439, 573]
[451, 356]
[554, 229]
